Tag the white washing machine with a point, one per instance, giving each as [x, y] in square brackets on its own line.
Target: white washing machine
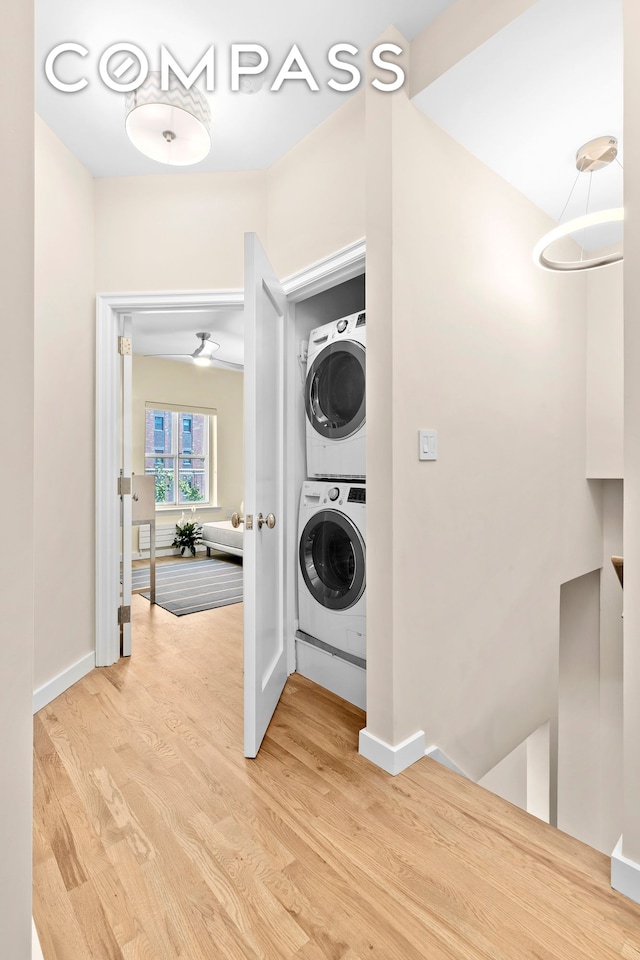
[335, 399]
[331, 565]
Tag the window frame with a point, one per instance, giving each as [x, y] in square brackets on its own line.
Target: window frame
[210, 455]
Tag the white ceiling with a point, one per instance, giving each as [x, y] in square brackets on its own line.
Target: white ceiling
[525, 101]
[173, 334]
[249, 131]
[522, 103]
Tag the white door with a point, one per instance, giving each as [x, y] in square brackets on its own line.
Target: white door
[265, 661]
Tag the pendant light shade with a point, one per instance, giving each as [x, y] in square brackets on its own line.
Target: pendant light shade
[592, 156]
[171, 126]
[541, 257]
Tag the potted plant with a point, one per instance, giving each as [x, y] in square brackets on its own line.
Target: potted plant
[188, 534]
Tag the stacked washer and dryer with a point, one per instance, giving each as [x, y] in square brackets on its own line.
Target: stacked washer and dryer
[331, 532]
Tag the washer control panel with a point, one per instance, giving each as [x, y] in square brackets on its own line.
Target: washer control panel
[323, 491]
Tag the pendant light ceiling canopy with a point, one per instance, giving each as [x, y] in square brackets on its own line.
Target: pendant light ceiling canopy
[592, 156]
[171, 126]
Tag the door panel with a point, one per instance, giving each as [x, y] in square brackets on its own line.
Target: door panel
[265, 662]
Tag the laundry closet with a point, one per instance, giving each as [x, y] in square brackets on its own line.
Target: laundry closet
[325, 550]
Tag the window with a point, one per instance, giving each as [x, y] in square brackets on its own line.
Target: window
[180, 453]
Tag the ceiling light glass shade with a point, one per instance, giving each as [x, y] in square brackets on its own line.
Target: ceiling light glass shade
[171, 126]
[202, 361]
[614, 215]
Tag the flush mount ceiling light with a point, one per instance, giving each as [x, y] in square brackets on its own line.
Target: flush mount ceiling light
[171, 126]
[592, 156]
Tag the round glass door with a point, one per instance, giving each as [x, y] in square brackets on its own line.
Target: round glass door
[332, 560]
[335, 390]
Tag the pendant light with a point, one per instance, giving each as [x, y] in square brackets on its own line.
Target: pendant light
[592, 156]
[171, 126]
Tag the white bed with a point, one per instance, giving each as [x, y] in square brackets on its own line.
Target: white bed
[222, 535]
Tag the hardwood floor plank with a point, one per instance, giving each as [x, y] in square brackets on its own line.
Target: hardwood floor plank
[140, 903]
[223, 936]
[89, 846]
[138, 949]
[59, 932]
[247, 868]
[124, 818]
[52, 766]
[93, 920]
[116, 908]
[155, 839]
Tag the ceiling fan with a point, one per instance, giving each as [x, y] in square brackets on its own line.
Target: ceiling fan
[202, 355]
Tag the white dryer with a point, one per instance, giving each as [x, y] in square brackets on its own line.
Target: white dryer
[335, 399]
[331, 565]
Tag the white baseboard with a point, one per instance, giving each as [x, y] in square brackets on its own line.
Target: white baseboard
[393, 759]
[36, 951]
[435, 753]
[49, 691]
[625, 874]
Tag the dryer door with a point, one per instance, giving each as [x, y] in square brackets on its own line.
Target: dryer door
[332, 560]
[335, 390]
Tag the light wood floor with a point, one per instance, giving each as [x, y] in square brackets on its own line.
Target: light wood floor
[155, 839]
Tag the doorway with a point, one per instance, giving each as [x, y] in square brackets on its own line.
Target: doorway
[317, 278]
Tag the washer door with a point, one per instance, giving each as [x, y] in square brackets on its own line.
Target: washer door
[332, 560]
[335, 390]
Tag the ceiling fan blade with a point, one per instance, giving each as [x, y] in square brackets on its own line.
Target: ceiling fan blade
[205, 341]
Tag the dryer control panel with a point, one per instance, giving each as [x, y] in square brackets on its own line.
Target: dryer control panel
[338, 328]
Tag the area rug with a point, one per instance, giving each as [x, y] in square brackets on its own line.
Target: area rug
[190, 586]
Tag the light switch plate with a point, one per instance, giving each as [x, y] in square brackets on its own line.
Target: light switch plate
[428, 445]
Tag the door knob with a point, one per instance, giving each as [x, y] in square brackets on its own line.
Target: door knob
[270, 520]
[236, 520]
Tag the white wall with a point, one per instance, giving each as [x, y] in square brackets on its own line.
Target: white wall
[16, 481]
[490, 351]
[316, 192]
[579, 786]
[605, 374]
[611, 625]
[180, 232]
[64, 510]
[170, 382]
[508, 779]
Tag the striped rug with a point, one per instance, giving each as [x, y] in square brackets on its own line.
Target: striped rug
[189, 586]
